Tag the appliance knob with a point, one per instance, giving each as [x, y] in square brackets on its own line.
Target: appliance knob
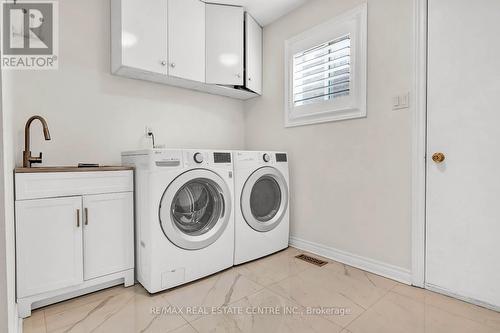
[198, 158]
[266, 158]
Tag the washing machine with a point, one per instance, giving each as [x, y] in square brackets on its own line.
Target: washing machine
[261, 209]
[184, 215]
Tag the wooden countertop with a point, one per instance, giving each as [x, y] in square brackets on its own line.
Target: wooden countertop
[71, 169]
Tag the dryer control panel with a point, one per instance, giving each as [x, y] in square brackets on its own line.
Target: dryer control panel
[281, 157]
[263, 158]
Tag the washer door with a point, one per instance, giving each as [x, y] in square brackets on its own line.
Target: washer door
[195, 209]
[264, 199]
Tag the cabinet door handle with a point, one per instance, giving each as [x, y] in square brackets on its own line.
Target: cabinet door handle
[86, 216]
[78, 218]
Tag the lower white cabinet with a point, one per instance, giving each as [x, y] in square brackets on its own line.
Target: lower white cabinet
[49, 245]
[75, 243]
[111, 215]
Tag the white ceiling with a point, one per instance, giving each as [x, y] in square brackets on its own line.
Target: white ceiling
[264, 11]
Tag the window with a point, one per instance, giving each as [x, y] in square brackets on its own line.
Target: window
[325, 71]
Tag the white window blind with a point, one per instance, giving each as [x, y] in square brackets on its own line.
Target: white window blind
[322, 72]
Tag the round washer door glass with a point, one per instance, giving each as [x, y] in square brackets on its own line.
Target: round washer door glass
[197, 206]
[195, 209]
[264, 199]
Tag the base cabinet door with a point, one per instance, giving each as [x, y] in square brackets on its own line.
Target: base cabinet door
[49, 253]
[108, 233]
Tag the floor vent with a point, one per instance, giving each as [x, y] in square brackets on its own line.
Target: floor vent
[312, 260]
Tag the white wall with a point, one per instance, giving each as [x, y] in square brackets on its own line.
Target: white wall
[350, 180]
[4, 315]
[7, 188]
[93, 115]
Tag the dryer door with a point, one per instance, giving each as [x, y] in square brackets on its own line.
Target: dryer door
[195, 209]
[264, 199]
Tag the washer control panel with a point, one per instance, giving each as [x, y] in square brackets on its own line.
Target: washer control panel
[164, 159]
[222, 157]
[204, 158]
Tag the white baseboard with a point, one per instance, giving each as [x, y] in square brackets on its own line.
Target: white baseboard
[446, 292]
[18, 322]
[400, 274]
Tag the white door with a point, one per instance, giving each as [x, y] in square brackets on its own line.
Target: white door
[186, 39]
[253, 54]
[224, 40]
[463, 191]
[108, 233]
[144, 34]
[48, 245]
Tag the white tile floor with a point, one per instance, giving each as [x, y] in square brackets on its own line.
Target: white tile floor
[273, 285]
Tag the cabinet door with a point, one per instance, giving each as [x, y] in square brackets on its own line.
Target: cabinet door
[253, 54]
[48, 245]
[224, 38]
[186, 39]
[108, 233]
[144, 34]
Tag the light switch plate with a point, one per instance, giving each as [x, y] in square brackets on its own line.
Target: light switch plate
[395, 102]
[401, 101]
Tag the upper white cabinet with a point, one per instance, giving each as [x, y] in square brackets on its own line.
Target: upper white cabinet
[139, 38]
[189, 44]
[159, 40]
[253, 54]
[186, 39]
[225, 44]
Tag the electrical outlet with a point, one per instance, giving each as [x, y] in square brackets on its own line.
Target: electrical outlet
[147, 130]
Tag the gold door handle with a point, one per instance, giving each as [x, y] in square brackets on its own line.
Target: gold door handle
[438, 157]
[78, 218]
